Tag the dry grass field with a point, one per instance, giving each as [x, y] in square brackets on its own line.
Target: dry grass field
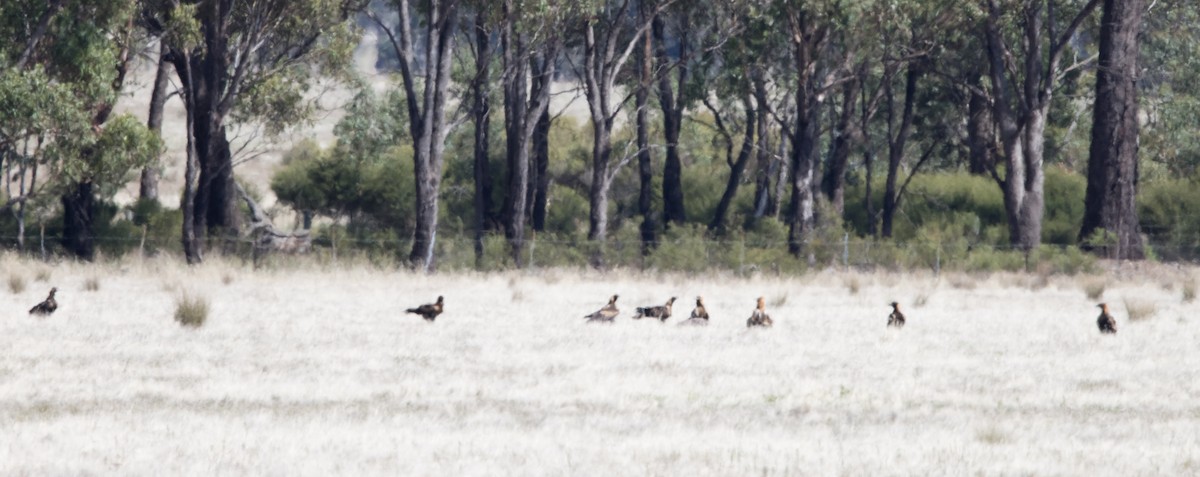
[316, 371]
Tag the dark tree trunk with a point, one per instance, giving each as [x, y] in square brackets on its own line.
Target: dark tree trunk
[215, 208]
[1020, 113]
[516, 72]
[192, 249]
[541, 152]
[834, 181]
[426, 112]
[605, 54]
[645, 174]
[522, 105]
[736, 169]
[79, 209]
[868, 111]
[148, 185]
[807, 41]
[1113, 158]
[766, 165]
[897, 143]
[672, 108]
[979, 131]
[482, 115]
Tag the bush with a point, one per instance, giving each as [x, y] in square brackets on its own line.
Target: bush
[16, 284]
[191, 310]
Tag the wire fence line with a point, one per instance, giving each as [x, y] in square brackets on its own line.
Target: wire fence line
[745, 255]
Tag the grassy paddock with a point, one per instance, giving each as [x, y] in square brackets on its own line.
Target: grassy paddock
[314, 369]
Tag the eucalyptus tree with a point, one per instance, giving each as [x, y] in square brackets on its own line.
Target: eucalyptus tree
[1022, 84]
[611, 33]
[530, 43]
[249, 63]
[1113, 158]
[428, 124]
[64, 64]
[816, 66]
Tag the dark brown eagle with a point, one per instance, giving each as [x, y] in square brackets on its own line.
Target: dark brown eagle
[660, 312]
[699, 315]
[760, 316]
[46, 307]
[896, 318]
[605, 314]
[1106, 322]
[428, 312]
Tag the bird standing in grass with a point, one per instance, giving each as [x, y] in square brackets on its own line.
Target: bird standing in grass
[699, 315]
[46, 307]
[428, 312]
[605, 314]
[660, 312]
[896, 318]
[1106, 322]
[760, 316]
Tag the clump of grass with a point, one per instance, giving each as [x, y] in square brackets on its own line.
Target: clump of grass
[16, 283]
[779, 300]
[853, 285]
[921, 299]
[1189, 290]
[1039, 282]
[1094, 289]
[962, 282]
[518, 295]
[42, 275]
[991, 435]
[1139, 310]
[191, 310]
[91, 284]
[227, 278]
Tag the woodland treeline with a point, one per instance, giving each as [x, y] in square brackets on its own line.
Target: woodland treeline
[981, 126]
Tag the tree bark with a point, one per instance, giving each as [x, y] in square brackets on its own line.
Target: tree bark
[736, 168]
[672, 109]
[605, 54]
[541, 148]
[148, 184]
[427, 113]
[897, 143]
[79, 209]
[648, 226]
[767, 166]
[516, 73]
[979, 131]
[834, 181]
[807, 39]
[1113, 157]
[482, 115]
[192, 250]
[1023, 129]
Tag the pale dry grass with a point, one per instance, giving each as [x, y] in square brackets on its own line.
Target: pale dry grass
[317, 370]
[1094, 289]
[16, 283]
[1140, 309]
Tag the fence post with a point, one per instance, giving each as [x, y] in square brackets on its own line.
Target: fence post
[846, 251]
[937, 263]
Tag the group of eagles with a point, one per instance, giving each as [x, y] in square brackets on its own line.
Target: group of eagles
[608, 313]
[699, 316]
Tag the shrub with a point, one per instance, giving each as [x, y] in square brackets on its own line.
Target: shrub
[91, 283]
[1094, 289]
[191, 310]
[16, 283]
[1140, 310]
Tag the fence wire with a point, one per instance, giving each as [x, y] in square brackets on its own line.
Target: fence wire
[744, 255]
